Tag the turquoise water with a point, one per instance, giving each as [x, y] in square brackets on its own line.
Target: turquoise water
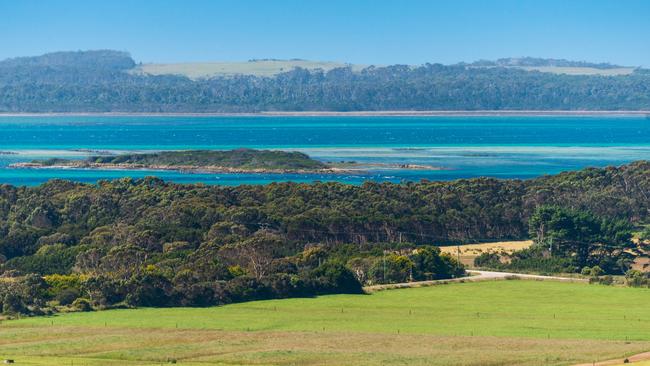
[503, 147]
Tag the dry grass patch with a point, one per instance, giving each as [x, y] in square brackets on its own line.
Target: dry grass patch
[133, 346]
[199, 70]
[581, 70]
[470, 251]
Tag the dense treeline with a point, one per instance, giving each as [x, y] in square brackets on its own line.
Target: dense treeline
[148, 242]
[543, 62]
[99, 81]
[569, 240]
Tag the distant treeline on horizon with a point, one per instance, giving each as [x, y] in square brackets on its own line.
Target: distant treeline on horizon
[103, 81]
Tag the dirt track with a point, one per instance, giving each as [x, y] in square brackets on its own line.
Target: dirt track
[635, 358]
[476, 276]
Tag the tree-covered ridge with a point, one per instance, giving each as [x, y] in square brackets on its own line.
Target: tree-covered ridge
[536, 61]
[245, 159]
[149, 242]
[91, 60]
[58, 83]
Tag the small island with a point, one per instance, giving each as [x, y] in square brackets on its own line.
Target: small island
[217, 161]
[195, 161]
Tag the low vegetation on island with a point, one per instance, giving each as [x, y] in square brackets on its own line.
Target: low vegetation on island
[217, 161]
[239, 160]
[147, 242]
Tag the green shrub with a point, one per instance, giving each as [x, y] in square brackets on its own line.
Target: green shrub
[645, 234]
[488, 260]
[430, 264]
[392, 268]
[13, 304]
[606, 280]
[49, 259]
[82, 304]
[636, 278]
[57, 283]
[67, 296]
[596, 271]
[334, 278]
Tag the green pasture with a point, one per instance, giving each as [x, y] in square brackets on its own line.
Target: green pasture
[508, 322]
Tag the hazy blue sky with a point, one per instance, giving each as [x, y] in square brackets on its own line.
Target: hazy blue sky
[359, 31]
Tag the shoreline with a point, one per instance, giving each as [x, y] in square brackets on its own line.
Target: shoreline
[430, 113]
[190, 169]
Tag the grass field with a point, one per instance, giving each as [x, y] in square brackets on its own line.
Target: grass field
[489, 323]
[582, 70]
[197, 70]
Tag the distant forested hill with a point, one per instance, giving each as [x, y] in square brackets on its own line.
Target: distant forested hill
[544, 62]
[104, 81]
